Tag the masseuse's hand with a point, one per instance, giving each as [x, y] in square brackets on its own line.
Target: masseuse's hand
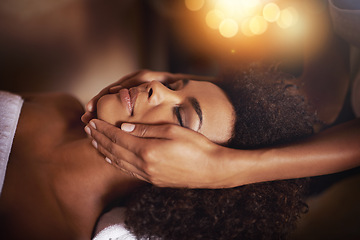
[165, 155]
[130, 80]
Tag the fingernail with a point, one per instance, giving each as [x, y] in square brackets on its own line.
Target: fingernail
[94, 143]
[108, 160]
[89, 107]
[127, 127]
[87, 130]
[93, 124]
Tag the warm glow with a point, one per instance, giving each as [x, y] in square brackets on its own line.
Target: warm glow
[251, 17]
[258, 25]
[194, 5]
[271, 12]
[226, 6]
[228, 28]
[288, 17]
[295, 15]
[237, 9]
[250, 4]
[245, 28]
[214, 18]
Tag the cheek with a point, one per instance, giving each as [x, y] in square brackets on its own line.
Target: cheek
[156, 115]
[219, 122]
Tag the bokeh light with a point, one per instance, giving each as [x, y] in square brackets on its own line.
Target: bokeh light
[194, 5]
[295, 15]
[258, 25]
[245, 28]
[250, 4]
[251, 17]
[227, 6]
[237, 9]
[271, 12]
[288, 17]
[228, 28]
[214, 18]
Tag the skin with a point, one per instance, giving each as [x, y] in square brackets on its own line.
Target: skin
[154, 103]
[212, 166]
[134, 79]
[208, 165]
[56, 185]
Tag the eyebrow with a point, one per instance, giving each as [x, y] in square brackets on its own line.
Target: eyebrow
[195, 104]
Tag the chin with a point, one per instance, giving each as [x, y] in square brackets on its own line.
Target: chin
[110, 110]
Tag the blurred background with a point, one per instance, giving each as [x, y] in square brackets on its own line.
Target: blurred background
[80, 46]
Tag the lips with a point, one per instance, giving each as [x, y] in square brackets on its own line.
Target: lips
[125, 99]
[128, 97]
[133, 92]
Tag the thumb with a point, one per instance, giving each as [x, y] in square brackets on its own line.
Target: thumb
[165, 131]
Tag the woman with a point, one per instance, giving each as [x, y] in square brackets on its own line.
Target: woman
[56, 186]
[49, 192]
[269, 111]
[325, 82]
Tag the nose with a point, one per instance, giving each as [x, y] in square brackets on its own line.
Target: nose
[158, 93]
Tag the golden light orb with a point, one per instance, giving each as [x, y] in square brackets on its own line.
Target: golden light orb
[258, 25]
[194, 5]
[214, 18]
[288, 17]
[228, 28]
[226, 6]
[271, 12]
[295, 15]
[245, 28]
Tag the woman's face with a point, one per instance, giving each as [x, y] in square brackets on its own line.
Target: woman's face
[200, 106]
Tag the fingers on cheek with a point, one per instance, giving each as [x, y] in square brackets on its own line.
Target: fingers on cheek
[105, 131]
[110, 158]
[103, 151]
[126, 168]
[101, 143]
[99, 137]
[113, 153]
[93, 133]
[106, 147]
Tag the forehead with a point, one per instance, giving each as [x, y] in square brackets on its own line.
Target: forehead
[218, 113]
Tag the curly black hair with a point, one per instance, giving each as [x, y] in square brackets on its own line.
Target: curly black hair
[269, 111]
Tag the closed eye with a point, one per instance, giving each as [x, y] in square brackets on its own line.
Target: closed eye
[178, 115]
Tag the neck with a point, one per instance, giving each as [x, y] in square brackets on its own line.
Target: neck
[85, 184]
[107, 182]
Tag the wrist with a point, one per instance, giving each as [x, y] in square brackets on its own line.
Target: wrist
[234, 167]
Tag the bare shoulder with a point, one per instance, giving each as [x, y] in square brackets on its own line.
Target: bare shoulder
[54, 100]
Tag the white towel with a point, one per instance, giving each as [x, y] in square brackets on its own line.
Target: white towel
[111, 226]
[10, 107]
